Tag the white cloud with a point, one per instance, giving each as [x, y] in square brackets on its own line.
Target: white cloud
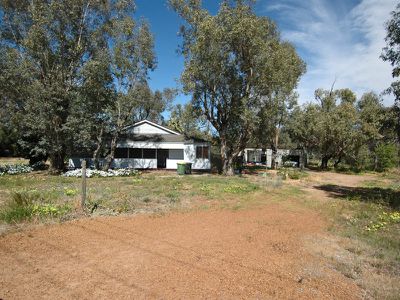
[337, 41]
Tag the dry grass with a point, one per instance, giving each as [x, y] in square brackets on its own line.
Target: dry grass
[13, 161]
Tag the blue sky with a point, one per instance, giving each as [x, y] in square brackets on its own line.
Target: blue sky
[339, 40]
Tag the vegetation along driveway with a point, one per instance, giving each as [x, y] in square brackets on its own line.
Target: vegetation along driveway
[235, 243]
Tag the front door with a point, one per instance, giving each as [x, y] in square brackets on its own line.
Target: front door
[162, 155]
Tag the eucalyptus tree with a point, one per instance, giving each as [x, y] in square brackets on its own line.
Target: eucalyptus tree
[328, 127]
[303, 126]
[234, 60]
[371, 118]
[49, 44]
[189, 121]
[391, 53]
[271, 119]
[80, 63]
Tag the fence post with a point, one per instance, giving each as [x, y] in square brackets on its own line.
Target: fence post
[83, 200]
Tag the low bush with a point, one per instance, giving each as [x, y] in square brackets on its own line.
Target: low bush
[296, 174]
[240, 189]
[387, 155]
[27, 205]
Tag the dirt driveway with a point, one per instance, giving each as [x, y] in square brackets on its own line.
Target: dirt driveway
[253, 253]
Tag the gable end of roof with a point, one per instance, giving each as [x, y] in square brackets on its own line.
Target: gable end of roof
[152, 124]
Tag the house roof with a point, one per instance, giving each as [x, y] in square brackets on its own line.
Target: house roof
[159, 138]
[152, 124]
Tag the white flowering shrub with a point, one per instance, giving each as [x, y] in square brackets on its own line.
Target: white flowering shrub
[99, 173]
[15, 169]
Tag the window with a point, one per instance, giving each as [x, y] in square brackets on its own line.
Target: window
[176, 153]
[121, 153]
[135, 153]
[149, 153]
[202, 152]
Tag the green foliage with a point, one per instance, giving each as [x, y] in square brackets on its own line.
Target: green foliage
[291, 173]
[391, 53]
[295, 174]
[234, 63]
[240, 189]
[70, 192]
[387, 156]
[48, 44]
[384, 219]
[73, 74]
[27, 205]
[188, 120]
[364, 159]
[342, 129]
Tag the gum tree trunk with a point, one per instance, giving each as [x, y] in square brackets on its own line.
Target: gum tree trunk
[227, 159]
[96, 153]
[57, 163]
[110, 156]
[324, 162]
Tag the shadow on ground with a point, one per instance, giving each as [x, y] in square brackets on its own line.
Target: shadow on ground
[385, 196]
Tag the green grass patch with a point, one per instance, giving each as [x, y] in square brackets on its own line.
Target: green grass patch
[146, 192]
[369, 213]
[292, 173]
[28, 205]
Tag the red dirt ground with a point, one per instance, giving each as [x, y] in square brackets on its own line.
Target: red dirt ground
[255, 253]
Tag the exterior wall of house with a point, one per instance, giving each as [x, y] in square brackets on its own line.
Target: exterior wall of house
[135, 163]
[174, 156]
[146, 128]
[197, 163]
[189, 155]
[177, 151]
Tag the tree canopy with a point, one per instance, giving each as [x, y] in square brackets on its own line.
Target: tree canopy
[74, 71]
[391, 53]
[338, 127]
[234, 61]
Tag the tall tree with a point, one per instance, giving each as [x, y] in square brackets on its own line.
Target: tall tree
[49, 43]
[391, 53]
[327, 127]
[272, 117]
[371, 115]
[81, 62]
[233, 61]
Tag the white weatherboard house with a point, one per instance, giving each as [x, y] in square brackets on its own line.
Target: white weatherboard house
[146, 145]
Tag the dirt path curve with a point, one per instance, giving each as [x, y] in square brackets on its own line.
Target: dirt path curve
[318, 179]
[339, 179]
[241, 254]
